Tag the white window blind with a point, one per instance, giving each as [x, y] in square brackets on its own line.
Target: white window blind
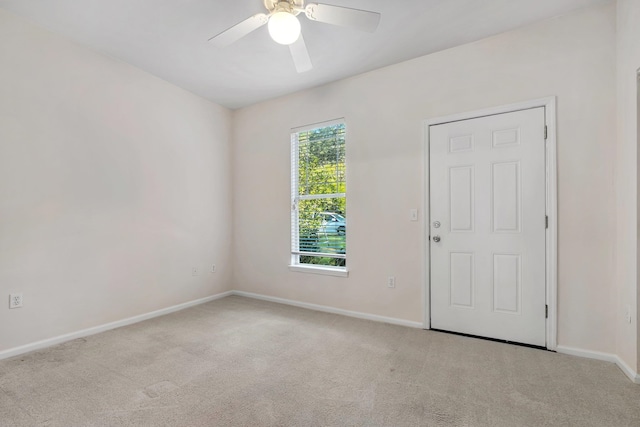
[318, 195]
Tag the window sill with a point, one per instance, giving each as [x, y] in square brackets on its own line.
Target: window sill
[327, 271]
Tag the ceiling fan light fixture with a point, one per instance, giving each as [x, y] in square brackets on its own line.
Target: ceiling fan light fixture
[284, 27]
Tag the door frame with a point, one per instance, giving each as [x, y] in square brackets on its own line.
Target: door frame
[551, 233]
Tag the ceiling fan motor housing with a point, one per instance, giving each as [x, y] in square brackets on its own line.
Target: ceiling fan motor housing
[291, 6]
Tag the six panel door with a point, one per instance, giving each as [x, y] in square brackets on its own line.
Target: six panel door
[487, 202]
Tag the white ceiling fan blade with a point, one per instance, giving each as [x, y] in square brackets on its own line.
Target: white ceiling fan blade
[354, 18]
[300, 55]
[240, 30]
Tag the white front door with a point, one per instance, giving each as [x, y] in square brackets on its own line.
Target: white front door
[487, 190]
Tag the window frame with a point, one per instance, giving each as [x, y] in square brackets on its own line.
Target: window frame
[295, 264]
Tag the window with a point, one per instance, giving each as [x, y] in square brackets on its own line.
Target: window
[318, 196]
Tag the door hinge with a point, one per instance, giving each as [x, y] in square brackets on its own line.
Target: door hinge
[545, 132]
[546, 221]
[546, 311]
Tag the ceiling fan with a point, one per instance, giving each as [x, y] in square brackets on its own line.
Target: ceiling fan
[284, 26]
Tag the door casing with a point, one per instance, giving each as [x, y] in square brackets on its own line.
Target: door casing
[551, 237]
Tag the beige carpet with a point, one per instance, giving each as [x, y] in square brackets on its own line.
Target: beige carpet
[242, 362]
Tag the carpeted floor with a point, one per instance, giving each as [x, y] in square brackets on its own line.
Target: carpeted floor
[242, 362]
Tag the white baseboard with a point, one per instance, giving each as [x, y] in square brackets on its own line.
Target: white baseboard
[333, 310]
[101, 328]
[633, 375]
[607, 357]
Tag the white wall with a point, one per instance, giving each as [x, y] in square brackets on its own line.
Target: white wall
[626, 181]
[113, 184]
[572, 57]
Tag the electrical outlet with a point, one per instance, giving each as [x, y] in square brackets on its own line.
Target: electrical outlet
[627, 313]
[213, 268]
[391, 282]
[15, 300]
[194, 271]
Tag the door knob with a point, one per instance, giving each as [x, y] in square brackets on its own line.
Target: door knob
[436, 224]
[436, 239]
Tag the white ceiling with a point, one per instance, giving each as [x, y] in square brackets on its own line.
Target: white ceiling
[168, 38]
